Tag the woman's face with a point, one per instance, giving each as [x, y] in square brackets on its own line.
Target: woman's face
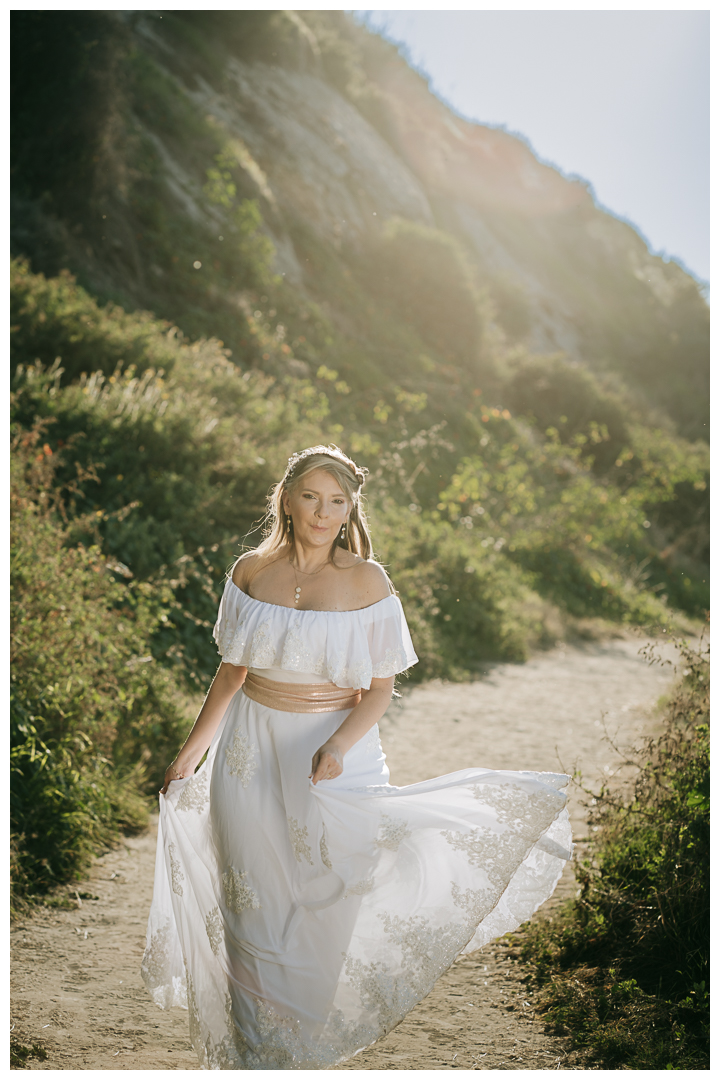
[318, 507]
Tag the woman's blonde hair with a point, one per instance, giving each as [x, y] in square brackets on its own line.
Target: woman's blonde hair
[277, 527]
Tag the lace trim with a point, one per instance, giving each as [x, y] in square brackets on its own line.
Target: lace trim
[194, 796]
[426, 953]
[215, 929]
[524, 815]
[394, 661]
[324, 853]
[238, 894]
[232, 1052]
[165, 988]
[362, 888]
[358, 674]
[299, 840]
[176, 874]
[298, 657]
[242, 758]
[282, 1045]
[527, 813]
[262, 648]
[392, 832]
[231, 643]
[476, 903]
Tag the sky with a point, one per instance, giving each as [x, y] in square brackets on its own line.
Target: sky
[620, 98]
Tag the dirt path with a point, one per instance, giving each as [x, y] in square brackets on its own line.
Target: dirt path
[76, 988]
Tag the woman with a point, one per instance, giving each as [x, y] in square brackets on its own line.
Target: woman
[302, 904]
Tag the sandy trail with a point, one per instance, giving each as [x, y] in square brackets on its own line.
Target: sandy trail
[76, 988]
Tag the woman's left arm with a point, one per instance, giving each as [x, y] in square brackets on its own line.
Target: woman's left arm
[327, 762]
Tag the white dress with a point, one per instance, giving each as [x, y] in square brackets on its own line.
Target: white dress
[300, 923]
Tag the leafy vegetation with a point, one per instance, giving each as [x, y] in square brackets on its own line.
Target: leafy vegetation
[19, 1054]
[88, 706]
[626, 968]
[163, 371]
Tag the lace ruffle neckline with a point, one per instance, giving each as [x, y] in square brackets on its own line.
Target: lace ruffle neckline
[310, 611]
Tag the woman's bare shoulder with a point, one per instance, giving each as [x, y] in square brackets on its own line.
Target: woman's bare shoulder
[245, 568]
[370, 582]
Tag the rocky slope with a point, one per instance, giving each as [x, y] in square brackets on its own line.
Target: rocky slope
[335, 135]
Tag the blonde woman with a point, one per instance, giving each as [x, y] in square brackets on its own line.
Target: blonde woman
[302, 904]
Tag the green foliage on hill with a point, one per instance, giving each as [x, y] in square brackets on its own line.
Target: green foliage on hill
[89, 707]
[626, 968]
[424, 276]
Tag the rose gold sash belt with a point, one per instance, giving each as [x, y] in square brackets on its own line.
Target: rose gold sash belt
[299, 697]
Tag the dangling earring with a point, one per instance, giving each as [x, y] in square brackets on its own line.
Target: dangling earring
[289, 522]
[342, 532]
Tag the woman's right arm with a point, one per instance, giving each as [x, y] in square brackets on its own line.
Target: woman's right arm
[228, 680]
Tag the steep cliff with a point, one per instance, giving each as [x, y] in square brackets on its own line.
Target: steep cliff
[334, 136]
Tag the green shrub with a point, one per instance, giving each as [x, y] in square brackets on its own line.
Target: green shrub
[464, 604]
[569, 399]
[424, 275]
[587, 541]
[55, 318]
[626, 967]
[93, 718]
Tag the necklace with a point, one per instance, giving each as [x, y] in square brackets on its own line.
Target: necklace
[308, 573]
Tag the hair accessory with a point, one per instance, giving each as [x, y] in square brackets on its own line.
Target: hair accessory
[329, 451]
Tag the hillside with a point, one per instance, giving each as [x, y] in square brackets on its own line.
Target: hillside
[333, 135]
[239, 233]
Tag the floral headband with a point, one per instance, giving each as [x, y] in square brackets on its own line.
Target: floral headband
[331, 452]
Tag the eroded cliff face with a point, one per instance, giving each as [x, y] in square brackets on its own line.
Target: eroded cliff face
[314, 159]
[312, 155]
[322, 164]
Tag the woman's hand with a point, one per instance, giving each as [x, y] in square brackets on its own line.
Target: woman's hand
[327, 762]
[228, 680]
[174, 772]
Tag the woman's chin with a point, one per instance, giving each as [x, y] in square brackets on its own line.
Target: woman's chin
[316, 537]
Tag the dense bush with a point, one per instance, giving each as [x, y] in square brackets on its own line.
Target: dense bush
[585, 540]
[566, 398]
[55, 319]
[626, 969]
[92, 716]
[424, 274]
[462, 601]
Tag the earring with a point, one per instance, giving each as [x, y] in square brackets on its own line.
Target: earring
[289, 522]
[342, 532]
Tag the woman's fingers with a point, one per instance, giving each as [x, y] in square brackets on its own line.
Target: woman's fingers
[325, 766]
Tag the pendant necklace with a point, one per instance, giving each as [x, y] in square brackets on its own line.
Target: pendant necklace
[311, 573]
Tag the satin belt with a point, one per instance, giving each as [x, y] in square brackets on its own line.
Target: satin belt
[299, 697]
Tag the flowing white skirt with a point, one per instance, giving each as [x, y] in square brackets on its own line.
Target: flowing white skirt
[299, 924]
